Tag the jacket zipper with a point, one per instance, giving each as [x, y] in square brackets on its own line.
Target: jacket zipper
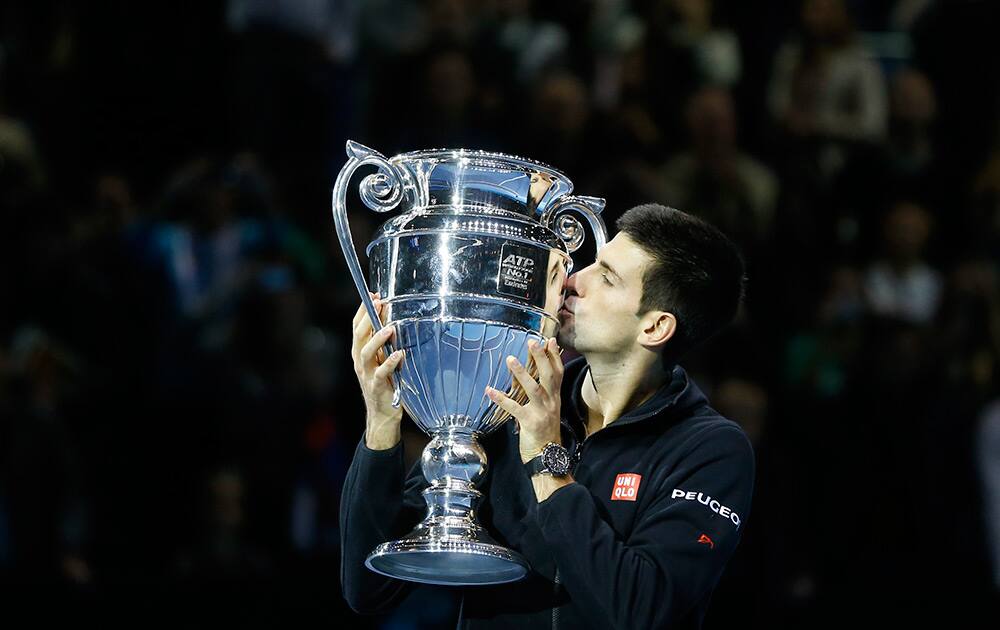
[575, 458]
[555, 608]
[574, 462]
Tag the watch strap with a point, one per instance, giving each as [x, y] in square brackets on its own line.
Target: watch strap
[537, 465]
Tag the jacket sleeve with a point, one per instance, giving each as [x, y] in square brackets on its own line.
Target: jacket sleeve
[679, 545]
[376, 506]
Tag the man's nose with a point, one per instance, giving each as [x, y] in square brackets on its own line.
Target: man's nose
[571, 286]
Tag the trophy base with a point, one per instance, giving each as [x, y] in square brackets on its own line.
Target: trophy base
[449, 546]
[447, 562]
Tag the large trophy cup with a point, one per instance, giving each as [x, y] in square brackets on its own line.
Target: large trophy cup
[470, 272]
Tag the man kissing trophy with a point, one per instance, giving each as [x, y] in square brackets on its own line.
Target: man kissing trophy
[468, 274]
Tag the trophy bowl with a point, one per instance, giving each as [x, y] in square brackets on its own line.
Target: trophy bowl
[469, 273]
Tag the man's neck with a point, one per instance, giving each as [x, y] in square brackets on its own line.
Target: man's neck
[612, 387]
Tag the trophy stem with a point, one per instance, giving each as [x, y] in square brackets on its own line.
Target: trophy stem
[449, 546]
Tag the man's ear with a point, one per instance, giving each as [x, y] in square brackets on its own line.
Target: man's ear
[657, 329]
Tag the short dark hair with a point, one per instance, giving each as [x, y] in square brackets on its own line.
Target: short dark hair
[697, 272]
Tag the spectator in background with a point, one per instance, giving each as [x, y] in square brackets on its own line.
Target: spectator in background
[291, 80]
[905, 165]
[22, 190]
[634, 125]
[913, 109]
[613, 32]
[270, 382]
[690, 28]
[984, 227]
[5, 436]
[901, 284]
[961, 494]
[905, 13]
[714, 178]
[534, 45]
[452, 22]
[394, 27]
[745, 402]
[203, 245]
[988, 464]
[20, 163]
[684, 49]
[41, 472]
[819, 362]
[217, 216]
[222, 550]
[446, 102]
[331, 25]
[561, 118]
[827, 100]
[825, 88]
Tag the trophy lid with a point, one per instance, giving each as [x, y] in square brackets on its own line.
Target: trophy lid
[463, 178]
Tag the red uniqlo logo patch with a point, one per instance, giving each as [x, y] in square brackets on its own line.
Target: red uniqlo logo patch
[626, 487]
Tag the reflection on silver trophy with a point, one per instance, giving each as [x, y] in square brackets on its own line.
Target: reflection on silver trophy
[470, 272]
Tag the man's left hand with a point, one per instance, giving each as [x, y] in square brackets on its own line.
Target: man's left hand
[538, 419]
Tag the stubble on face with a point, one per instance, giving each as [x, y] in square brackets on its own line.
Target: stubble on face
[566, 337]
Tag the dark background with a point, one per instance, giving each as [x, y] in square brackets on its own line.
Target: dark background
[177, 405]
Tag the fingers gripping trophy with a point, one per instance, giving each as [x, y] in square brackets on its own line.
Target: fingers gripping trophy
[470, 272]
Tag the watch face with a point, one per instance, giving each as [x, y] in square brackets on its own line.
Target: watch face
[556, 459]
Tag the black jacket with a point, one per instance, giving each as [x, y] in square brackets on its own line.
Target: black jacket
[640, 540]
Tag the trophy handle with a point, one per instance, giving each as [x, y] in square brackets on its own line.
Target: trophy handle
[381, 191]
[569, 228]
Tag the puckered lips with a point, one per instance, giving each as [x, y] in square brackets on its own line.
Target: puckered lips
[568, 306]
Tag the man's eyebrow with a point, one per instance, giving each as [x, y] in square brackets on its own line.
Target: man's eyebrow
[609, 268]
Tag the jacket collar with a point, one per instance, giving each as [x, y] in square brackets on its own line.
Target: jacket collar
[679, 393]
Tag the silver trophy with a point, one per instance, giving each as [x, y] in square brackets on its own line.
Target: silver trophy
[470, 272]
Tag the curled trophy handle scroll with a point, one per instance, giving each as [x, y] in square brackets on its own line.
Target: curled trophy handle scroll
[381, 191]
[569, 228]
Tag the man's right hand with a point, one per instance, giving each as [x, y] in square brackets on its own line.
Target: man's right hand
[382, 420]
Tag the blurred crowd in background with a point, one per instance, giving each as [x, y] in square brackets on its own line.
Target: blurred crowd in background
[177, 404]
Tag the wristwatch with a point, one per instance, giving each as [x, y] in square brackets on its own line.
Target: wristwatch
[554, 461]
